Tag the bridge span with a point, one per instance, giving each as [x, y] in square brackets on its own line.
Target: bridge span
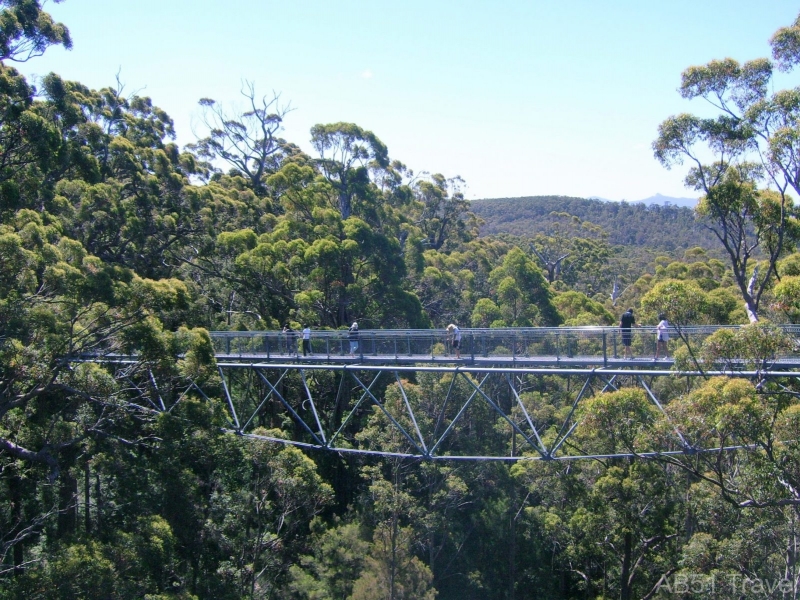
[581, 347]
[326, 397]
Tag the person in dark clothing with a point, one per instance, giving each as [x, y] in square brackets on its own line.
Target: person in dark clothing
[627, 321]
[291, 339]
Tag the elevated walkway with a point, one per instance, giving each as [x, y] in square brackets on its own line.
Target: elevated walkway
[323, 401]
[539, 347]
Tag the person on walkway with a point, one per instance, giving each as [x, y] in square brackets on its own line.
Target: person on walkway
[454, 335]
[353, 335]
[627, 321]
[291, 340]
[306, 340]
[662, 336]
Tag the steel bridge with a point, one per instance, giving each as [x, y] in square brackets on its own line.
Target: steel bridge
[324, 397]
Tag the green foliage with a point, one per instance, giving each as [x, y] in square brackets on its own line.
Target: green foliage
[445, 215]
[118, 481]
[346, 151]
[753, 345]
[578, 309]
[683, 302]
[787, 297]
[617, 422]
[665, 228]
[521, 292]
[753, 138]
[27, 31]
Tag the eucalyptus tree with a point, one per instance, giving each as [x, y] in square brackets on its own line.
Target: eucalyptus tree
[521, 292]
[445, 215]
[310, 265]
[274, 503]
[26, 31]
[248, 142]
[451, 284]
[754, 138]
[28, 143]
[337, 559]
[621, 524]
[575, 252]
[111, 176]
[758, 483]
[57, 303]
[431, 522]
[578, 309]
[346, 153]
[787, 297]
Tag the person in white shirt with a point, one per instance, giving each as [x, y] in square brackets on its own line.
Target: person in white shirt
[454, 335]
[353, 335]
[306, 340]
[662, 336]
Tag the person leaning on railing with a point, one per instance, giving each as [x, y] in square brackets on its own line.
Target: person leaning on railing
[454, 336]
[626, 321]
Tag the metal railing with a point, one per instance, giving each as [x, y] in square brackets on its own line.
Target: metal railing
[557, 343]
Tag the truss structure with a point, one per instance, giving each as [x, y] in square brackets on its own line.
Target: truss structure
[335, 398]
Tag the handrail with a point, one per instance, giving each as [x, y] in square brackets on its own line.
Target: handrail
[587, 329]
[558, 343]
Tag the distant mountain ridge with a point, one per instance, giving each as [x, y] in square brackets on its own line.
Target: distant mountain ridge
[658, 199]
[657, 223]
[665, 200]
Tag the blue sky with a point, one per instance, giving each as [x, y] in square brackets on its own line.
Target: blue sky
[519, 98]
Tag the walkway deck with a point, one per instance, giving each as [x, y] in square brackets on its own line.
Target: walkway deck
[579, 347]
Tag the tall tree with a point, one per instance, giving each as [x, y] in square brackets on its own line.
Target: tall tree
[248, 142]
[755, 137]
[522, 293]
[346, 152]
[28, 142]
[27, 31]
[445, 212]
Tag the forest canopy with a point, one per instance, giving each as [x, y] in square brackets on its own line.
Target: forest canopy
[116, 241]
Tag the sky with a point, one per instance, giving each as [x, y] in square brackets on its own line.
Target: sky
[517, 97]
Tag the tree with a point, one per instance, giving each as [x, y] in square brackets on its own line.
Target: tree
[578, 309]
[346, 152]
[58, 303]
[28, 143]
[632, 502]
[247, 141]
[445, 212]
[284, 493]
[391, 572]
[755, 137]
[573, 251]
[522, 293]
[27, 31]
[683, 302]
[787, 296]
[748, 221]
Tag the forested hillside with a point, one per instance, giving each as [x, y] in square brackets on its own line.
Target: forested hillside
[664, 228]
[120, 251]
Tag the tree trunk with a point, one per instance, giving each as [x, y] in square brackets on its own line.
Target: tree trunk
[625, 587]
[344, 204]
[14, 485]
[87, 520]
[67, 504]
